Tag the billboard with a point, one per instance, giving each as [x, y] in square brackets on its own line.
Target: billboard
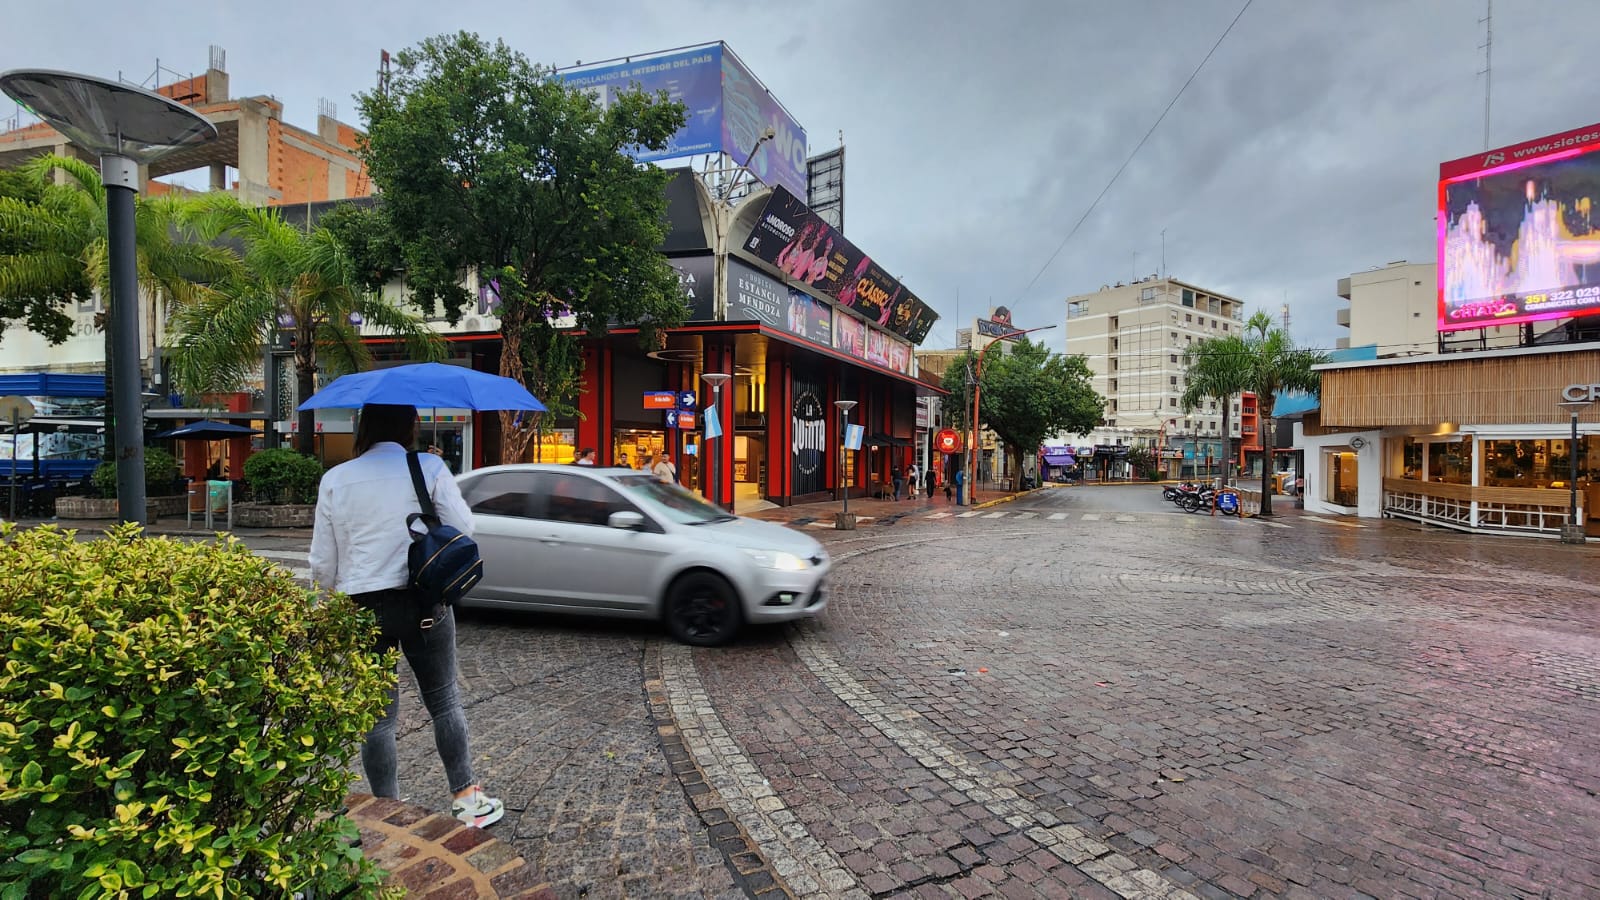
[755, 295]
[800, 244]
[1517, 241]
[728, 109]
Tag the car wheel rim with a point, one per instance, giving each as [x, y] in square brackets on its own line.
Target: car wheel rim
[702, 615]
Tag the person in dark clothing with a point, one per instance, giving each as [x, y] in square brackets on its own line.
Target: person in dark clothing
[927, 477]
[899, 477]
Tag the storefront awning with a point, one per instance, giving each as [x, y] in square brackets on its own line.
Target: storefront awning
[1060, 459]
[884, 440]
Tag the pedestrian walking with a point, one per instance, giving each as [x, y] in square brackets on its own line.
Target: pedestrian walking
[928, 478]
[912, 480]
[961, 482]
[664, 470]
[359, 547]
[899, 478]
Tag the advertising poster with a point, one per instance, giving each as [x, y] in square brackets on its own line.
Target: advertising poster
[748, 109]
[757, 296]
[1518, 237]
[691, 77]
[810, 426]
[854, 338]
[697, 274]
[802, 246]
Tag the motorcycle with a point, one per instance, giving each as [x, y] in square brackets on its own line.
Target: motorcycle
[1170, 492]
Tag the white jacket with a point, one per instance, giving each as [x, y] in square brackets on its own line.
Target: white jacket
[360, 539]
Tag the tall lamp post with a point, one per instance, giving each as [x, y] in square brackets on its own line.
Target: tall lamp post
[716, 380]
[977, 391]
[845, 523]
[129, 127]
[1573, 533]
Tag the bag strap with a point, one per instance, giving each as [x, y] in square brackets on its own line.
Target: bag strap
[423, 500]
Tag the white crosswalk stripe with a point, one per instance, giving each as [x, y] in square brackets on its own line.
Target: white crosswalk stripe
[997, 515]
[1127, 518]
[1091, 517]
[968, 515]
[943, 515]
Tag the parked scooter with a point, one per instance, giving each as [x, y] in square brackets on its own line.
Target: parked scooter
[1170, 492]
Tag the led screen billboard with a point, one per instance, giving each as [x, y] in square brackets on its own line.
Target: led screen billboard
[728, 108]
[1518, 241]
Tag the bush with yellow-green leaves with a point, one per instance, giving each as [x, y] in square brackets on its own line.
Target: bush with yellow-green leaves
[176, 719]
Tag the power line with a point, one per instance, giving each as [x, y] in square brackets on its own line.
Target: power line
[1136, 149]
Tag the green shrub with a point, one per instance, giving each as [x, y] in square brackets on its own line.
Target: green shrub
[283, 476]
[176, 719]
[160, 472]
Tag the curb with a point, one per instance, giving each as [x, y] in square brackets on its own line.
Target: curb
[1007, 499]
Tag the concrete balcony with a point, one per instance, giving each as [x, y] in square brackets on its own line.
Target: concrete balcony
[1342, 316]
[1344, 288]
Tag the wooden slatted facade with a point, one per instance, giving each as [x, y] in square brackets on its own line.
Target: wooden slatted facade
[1507, 388]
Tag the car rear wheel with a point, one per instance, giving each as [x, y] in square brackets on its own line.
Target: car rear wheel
[702, 610]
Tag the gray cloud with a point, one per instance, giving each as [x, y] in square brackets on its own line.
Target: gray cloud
[978, 133]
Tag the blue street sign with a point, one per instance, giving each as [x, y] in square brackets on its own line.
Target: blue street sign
[686, 400]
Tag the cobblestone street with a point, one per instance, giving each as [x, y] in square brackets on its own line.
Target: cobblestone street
[1086, 695]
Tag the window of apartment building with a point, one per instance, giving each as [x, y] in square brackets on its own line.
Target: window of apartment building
[1172, 380]
[1188, 297]
[1188, 339]
[1188, 319]
[1112, 323]
[1224, 326]
[1216, 306]
[1078, 308]
[1113, 405]
[1113, 384]
[1111, 423]
[1113, 363]
[1213, 406]
[1172, 402]
[1172, 357]
[1113, 343]
[1174, 336]
[1148, 294]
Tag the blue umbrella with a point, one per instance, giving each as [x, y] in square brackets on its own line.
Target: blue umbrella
[425, 385]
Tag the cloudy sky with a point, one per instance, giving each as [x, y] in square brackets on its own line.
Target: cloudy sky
[978, 133]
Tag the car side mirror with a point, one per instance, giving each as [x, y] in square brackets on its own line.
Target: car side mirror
[626, 519]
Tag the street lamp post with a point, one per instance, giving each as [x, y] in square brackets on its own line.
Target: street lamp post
[129, 127]
[716, 380]
[1573, 532]
[977, 391]
[845, 522]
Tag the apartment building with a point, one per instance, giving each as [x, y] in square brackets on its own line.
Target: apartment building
[1395, 307]
[1133, 337]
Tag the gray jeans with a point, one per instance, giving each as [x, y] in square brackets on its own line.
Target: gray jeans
[432, 657]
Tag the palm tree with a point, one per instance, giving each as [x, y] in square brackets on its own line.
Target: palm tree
[1216, 369]
[1276, 365]
[57, 250]
[298, 281]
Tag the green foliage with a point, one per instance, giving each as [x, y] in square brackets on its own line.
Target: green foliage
[53, 245]
[160, 471]
[486, 164]
[283, 476]
[1275, 365]
[176, 719]
[1145, 465]
[1028, 394]
[1216, 369]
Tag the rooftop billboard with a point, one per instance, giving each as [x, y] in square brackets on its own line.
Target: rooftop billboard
[1517, 238]
[728, 108]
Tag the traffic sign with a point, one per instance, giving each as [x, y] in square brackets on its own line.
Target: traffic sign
[679, 419]
[16, 411]
[660, 399]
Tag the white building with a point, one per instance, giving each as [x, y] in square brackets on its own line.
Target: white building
[1133, 337]
[1395, 308]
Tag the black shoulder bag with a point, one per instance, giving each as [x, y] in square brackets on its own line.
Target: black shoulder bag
[444, 563]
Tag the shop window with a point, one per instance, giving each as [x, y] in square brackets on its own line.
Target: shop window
[1411, 453]
[1450, 462]
[1340, 486]
[1538, 463]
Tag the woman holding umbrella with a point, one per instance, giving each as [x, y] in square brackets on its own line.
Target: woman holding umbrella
[359, 547]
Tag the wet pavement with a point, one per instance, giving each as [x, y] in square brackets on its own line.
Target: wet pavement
[1080, 693]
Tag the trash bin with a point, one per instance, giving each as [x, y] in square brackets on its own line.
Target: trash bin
[219, 495]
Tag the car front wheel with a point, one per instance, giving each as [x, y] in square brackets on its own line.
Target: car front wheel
[702, 610]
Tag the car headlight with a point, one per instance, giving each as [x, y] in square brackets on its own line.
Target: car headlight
[776, 559]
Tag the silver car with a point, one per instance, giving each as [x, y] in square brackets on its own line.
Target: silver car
[617, 542]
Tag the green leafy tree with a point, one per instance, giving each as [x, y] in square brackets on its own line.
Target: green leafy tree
[299, 281]
[1216, 369]
[1275, 365]
[54, 250]
[486, 164]
[1027, 395]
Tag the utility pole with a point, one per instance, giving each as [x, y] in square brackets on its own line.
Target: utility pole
[1488, 66]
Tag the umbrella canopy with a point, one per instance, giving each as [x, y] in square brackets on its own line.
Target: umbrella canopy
[206, 430]
[425, 385]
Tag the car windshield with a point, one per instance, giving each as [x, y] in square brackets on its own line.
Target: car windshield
[678, 504]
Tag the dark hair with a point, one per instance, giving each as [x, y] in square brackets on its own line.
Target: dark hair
[381, 422]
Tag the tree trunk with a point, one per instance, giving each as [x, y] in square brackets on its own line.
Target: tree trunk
[514, 438]
[1267, 439]
[305, 374]
[1227, 444]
